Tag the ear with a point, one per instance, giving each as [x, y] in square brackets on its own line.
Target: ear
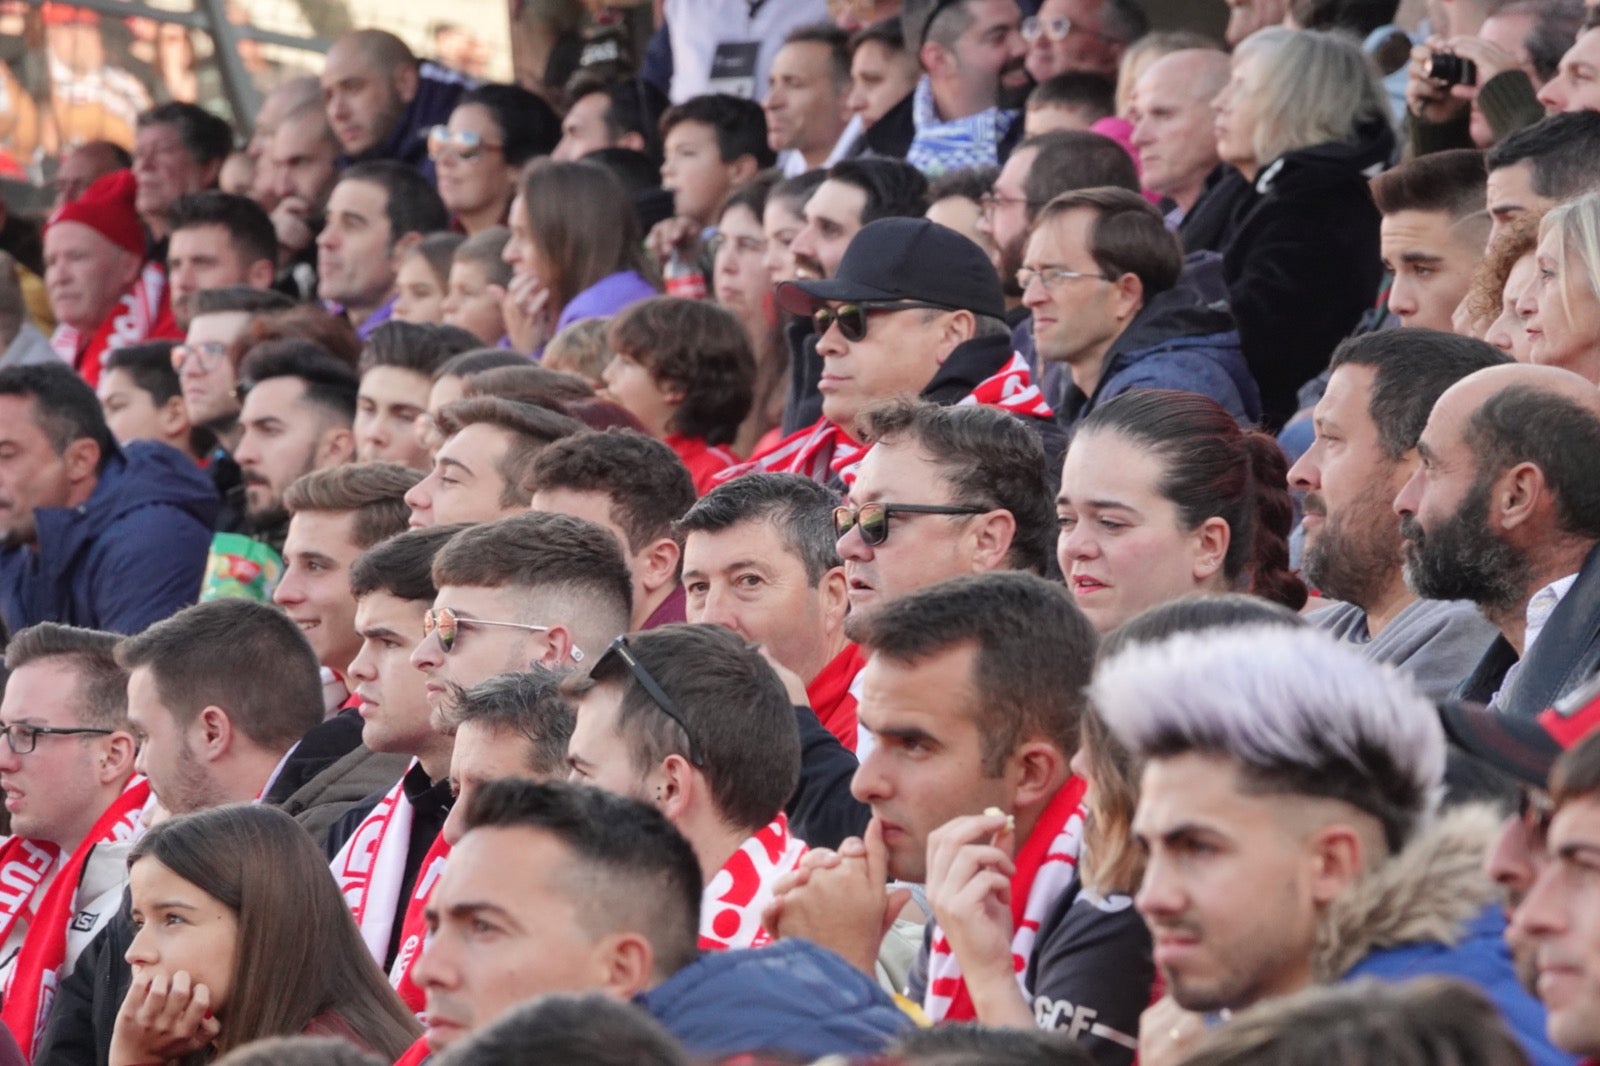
[214, 730]
[742, 169]
[1519, 496]
[407, 79]
[959, 327]
[992, 534]
[1037, 769]
[657, 566]
[259, 274]
[632, 140]
[81, 459]
[677, 785]
[1127, 296]
[1212, 538]
[116, 762]
[936, 59]
[1338, 859]
[558, 648]
[173, 417]
[210, 172]
[625, 964]
[128, 268]
[834, 592]
[338, 446]
[401, 247]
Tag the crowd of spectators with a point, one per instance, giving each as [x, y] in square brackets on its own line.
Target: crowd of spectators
[919, 531]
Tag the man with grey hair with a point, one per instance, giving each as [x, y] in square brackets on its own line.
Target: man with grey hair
[1278, 757]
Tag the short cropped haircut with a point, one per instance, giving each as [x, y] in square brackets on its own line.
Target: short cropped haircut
[988, 458]
[794, 192]
[1299, 712]
[1523, 424]
[531, 429]
[701, 348]
[1017, 693]
[970, 183]
[1451, 181]
[893, 187]
[245, 657]
[1563, 152]
[420, 347]
[799, 510]
[1093, 94]
[149, 365]
[304, 322]
[411, 204]
[834, 40]
[330, 383]
[558, 555]
[250, 230]
[740, 125]
[437, 250]
[1070, 160]
[529, 704]
[1429, 1021]
[207, 138]
[1576, 774]
[533, 383]
[102, 685]
[971, 1044]
[300, 1051]
[631, 871]
[479, 359]
[402, 566]
[373, 494]
[1411, 369]
[1128, 236]
[484, 249]
[751, 760]
[65, 408]
[566, 1029]
[886, 32]
[239, 298]
[1359, 17]
[648, 485]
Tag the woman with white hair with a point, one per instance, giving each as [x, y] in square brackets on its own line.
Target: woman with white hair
[1302, 123]
[1561, 305]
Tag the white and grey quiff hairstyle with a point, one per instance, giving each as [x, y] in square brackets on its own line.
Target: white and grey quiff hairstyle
[1300, 712]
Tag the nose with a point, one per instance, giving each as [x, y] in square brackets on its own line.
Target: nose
[432, 968]
[1510, 861]
[851, 546]
[1405, 502]
[1402, 300]
[10, 761]
[717, 611]
[1551, 96]
[141, 951]
[1077, 542]
[832, 343]
[288, 593]
[804, 243]
[1304, 475]
[428, 656]
[454, 828]
[1034, 294]
[869, 785]
[1542, 912]
[417, 498]
[1159, 893]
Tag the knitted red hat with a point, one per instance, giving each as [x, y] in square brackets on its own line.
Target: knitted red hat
[106, 207]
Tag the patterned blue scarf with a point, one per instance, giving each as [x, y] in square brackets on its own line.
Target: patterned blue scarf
[943, 145]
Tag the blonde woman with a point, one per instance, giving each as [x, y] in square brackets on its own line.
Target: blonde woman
[1560, 307]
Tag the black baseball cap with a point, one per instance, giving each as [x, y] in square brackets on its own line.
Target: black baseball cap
[1524, 747]
[905, 259]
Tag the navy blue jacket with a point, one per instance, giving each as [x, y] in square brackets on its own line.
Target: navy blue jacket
[132, 554]
[790, 997]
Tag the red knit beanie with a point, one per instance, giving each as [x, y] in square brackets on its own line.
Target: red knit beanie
[106, 207]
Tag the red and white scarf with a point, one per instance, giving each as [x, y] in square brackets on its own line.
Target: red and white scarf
[140, 314]
[823, 448]
[31, 991]
[731, 905]
[832, 695]
[369, 870]
[1045, 868]
[25, 869]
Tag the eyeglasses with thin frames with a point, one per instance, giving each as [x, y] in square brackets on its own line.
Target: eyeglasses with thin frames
[622, 650]
[465, 145]
[871, 520]
[1058, 29]
[1051, 277]
[22, 738]
[447, 625]
[205, 355]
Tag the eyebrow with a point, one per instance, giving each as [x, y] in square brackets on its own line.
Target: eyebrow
[266, 422]
[1420, 257]
[469, 909]
[317, 557]
[446, 461]
[1423, 450]
[909, 732]
[381, 632]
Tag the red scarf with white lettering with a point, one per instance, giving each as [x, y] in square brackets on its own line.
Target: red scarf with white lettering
[371, 866]
[140, 314]
[823, 448]
[25, 867]
[731, 905]
[415, 926]
[1045, 867]
[31, 991]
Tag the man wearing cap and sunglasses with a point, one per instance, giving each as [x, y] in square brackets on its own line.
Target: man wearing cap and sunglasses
[654, 723]
[915, 310]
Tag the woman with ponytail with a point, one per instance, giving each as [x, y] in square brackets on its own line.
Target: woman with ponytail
[1162, 496]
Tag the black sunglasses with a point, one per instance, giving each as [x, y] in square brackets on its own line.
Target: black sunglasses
[872, 519]
[621, 649]
[852, 318]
